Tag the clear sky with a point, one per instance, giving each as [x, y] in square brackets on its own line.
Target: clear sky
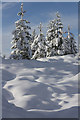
[37, 12]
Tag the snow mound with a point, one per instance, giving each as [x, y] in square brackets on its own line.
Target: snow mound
[45, 88]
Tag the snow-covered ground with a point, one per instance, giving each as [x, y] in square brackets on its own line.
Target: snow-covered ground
[45, 87]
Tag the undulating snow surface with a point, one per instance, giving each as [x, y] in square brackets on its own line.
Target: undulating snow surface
[45, 87]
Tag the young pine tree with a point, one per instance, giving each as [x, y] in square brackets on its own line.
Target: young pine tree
[59, 35]
[21, 39]
[70, 44]
[40, 45]
[51, 48]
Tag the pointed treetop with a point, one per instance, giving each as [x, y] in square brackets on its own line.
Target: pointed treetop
[57, 14]
[40, 28]
[69, 31]
[22, 12]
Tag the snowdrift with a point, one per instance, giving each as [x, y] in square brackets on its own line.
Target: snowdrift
[43, 88]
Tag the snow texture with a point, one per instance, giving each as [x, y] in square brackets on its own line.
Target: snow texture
[39, 47]
[43, 88]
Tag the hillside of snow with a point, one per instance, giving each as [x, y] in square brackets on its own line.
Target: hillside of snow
[43, 88]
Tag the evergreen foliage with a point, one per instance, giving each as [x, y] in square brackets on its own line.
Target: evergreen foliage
[70, 44]
[40, 45]
[21, 39]
[27, 46]
[55, 37]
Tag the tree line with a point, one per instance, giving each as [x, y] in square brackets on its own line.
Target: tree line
[33, 46]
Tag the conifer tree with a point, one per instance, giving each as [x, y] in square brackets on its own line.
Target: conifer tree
[55, 37]
[70, 44]
[40, 45]
[51, 39]
[21, 38]
[59, 35]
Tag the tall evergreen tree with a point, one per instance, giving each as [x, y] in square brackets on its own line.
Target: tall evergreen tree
[55, 37]
[40, 45]
[51, 39]
[21, 39]
[70, 44]
[59, 35]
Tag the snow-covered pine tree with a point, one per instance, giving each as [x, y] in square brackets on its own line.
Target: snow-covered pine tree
[70, 43]
[40, 45]
[51, 48]
[33, 46]
[21, 39]
[59, 35]
[55, 37]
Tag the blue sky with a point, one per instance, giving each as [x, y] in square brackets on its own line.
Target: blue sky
[37, 12]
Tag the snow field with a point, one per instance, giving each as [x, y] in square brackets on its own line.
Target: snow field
[46, 87]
